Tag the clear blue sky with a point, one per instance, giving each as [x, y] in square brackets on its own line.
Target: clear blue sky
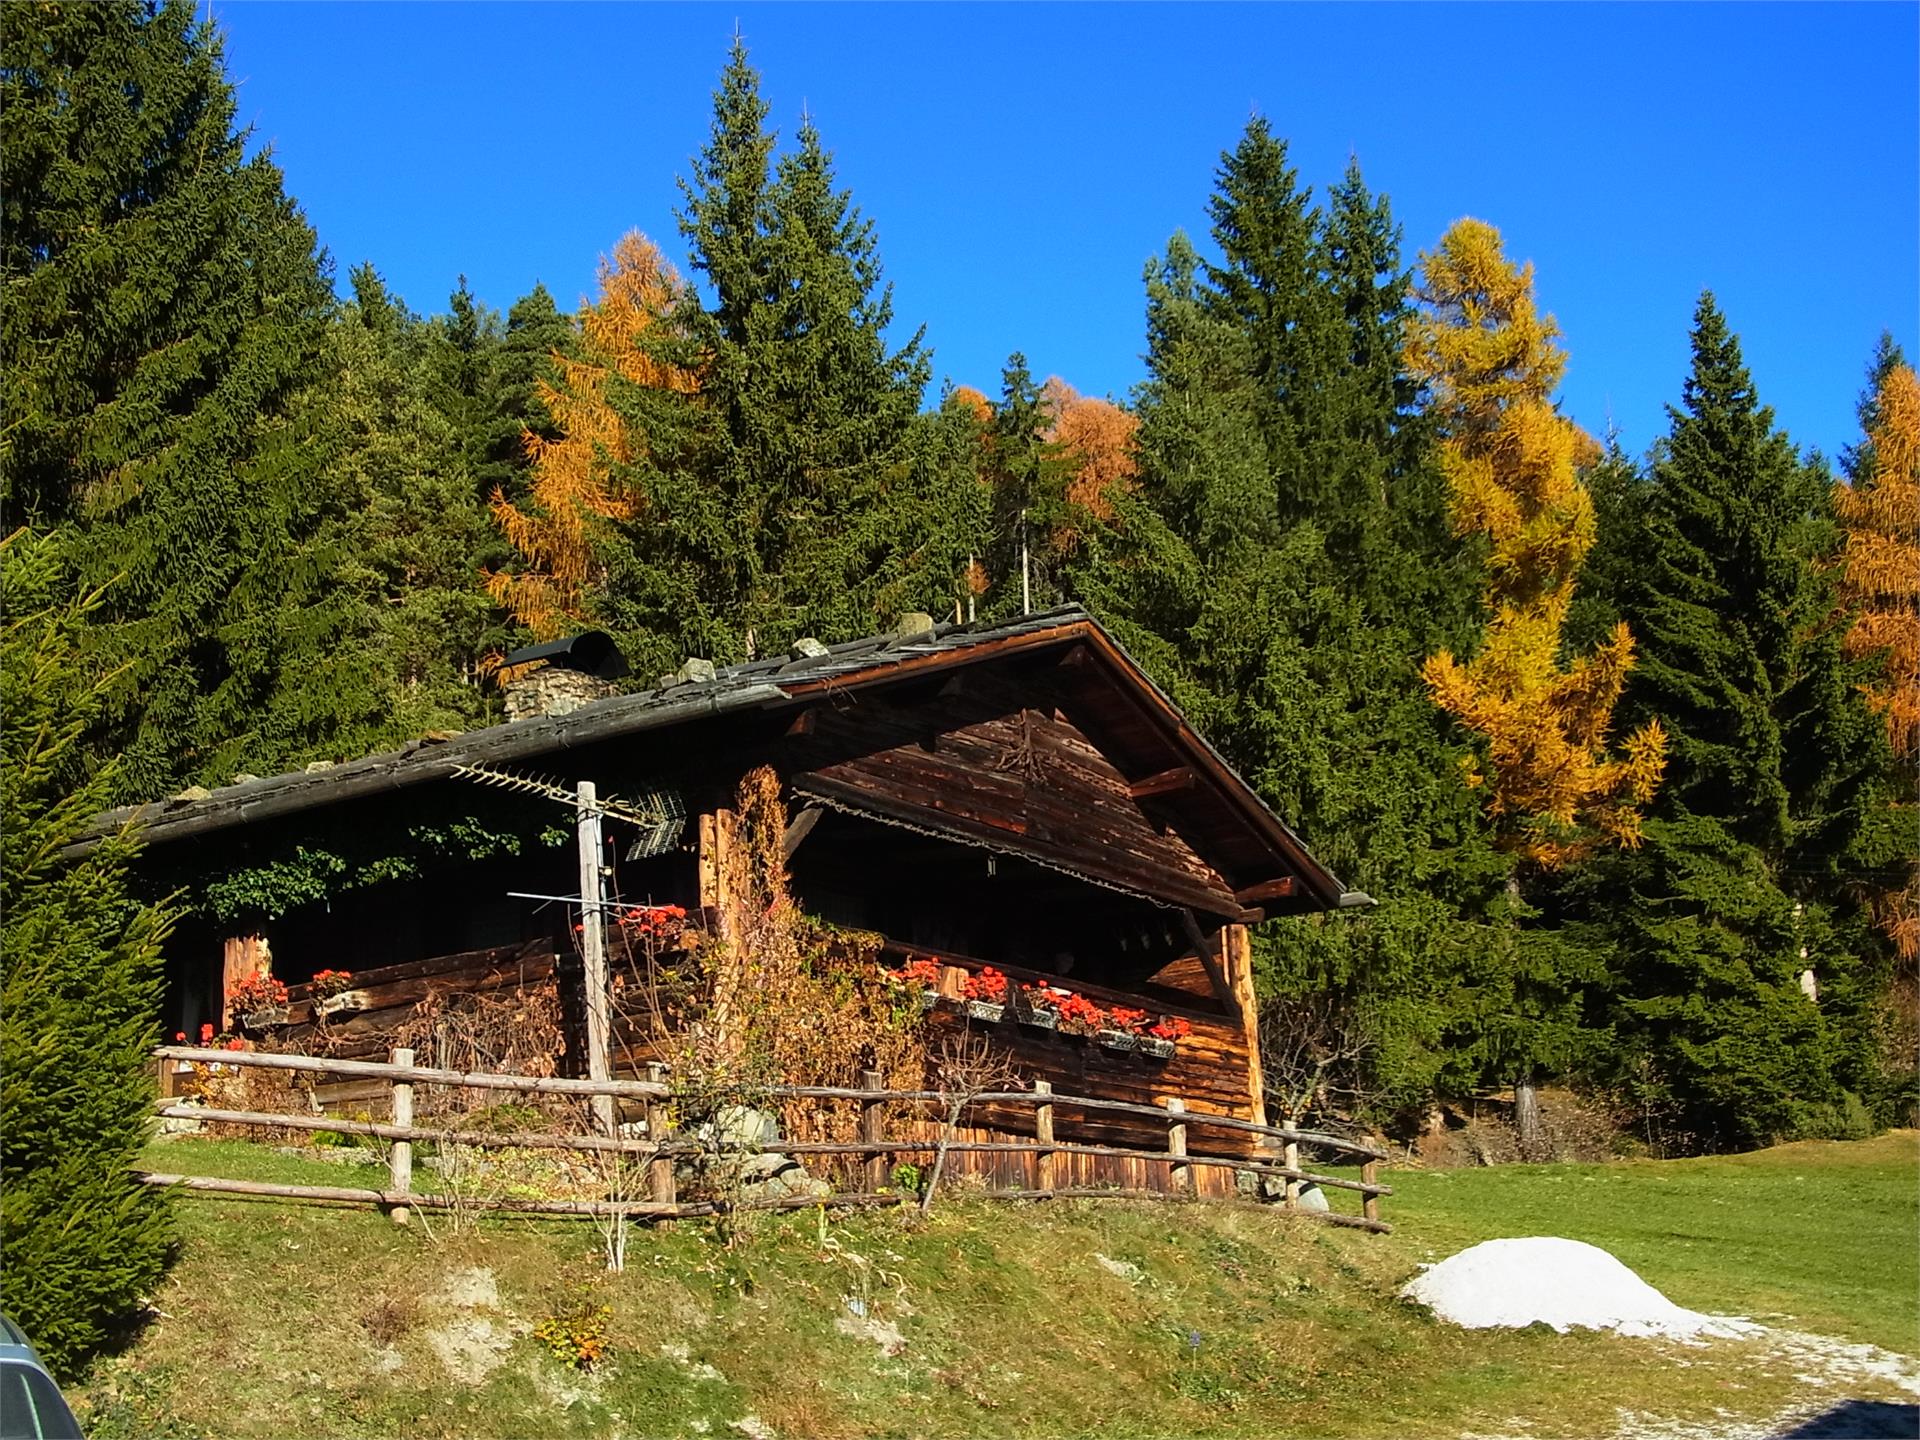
[1023, 162]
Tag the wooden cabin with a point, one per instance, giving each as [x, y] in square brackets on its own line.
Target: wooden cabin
[1017, 795]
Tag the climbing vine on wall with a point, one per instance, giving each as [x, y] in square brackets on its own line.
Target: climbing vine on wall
[339, 856]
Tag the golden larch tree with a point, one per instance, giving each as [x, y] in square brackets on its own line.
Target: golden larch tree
[1100, 437]
[1880, 582]
[574, 477]
[1491, 361]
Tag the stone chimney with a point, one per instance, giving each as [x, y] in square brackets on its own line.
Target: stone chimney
[560, 676]
[554, 690]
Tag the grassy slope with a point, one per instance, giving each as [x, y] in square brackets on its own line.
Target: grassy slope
[1239, 1321]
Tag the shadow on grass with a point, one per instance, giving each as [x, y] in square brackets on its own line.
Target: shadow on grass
[1860, 1420]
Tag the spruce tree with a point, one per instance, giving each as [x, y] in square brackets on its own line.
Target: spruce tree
[1727, 583]
[1027, 474]
[1281, 568]
[405, 408]
[165, 306]
[80, 973]
[781, 491]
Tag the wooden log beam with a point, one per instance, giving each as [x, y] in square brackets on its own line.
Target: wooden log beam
[1280, 889]
[640, 1090]
[798, 828]
[641, 1209]
[422, 1134]
[419, 1075]
[1203, 947]
[1180, 777]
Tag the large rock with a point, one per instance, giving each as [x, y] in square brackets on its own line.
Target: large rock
[740, 1127]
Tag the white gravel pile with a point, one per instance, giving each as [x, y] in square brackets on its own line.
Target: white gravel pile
[1543, 1280]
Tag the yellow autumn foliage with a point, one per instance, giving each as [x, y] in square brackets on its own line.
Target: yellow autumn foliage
[1490, 361]
[574, 476]
[1880, 572]
[1880, 582]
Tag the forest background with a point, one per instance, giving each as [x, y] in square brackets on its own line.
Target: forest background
[1623, 743]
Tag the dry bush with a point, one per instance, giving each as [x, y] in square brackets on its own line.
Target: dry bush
[516, 1031]
[248, 1087]
[787, 1000]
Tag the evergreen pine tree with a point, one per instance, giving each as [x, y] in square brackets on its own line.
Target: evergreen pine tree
[1727, 584]
[771, 514]
[536, 331]
[406, 408]
[84, 1241]
[1281, 568]
[1027, 474]
[165, 306]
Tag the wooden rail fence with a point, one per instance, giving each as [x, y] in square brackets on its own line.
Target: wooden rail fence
[1182, 1153]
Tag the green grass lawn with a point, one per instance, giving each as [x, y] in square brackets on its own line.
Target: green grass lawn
[1056, 1320]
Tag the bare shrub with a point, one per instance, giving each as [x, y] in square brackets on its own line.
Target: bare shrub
[965, 1066]
[1314, 1053]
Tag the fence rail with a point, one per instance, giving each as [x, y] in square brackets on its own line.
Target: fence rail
[1181, 1152]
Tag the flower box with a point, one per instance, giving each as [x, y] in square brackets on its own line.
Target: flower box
[265, 1018]
[1040, 1018]
[1156, 1047]
[928, 999]
[1118, 1039]
[344, 1002]
[987, 1010]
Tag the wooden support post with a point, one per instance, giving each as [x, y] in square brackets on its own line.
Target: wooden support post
[593, 953]
[871, 1133]
[1370, 1204]
[1290, 1157]
[1180, 1174]
[1236, 954]
[660, 1180]
[400, 1161]
[243, 958]
[1043, 1135]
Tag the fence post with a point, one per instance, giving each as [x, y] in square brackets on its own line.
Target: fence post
[1370, 1204]
[1180, 1175]
[1043, 1134]
[400, 1161]
[659, 1127]
[871, 1133]
[1290, 1157]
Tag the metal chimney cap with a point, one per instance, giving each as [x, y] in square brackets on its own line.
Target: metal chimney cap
[591, 651]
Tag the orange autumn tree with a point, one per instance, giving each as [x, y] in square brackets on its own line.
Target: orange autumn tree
[575, 477]
[1880, 581]
[1099, 436]
[1491, 362]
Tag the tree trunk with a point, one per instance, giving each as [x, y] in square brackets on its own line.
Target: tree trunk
[1526, 1119]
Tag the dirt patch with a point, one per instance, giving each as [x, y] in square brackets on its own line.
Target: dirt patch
[470, 1344]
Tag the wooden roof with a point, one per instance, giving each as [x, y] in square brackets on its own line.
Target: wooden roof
[1092, 707]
